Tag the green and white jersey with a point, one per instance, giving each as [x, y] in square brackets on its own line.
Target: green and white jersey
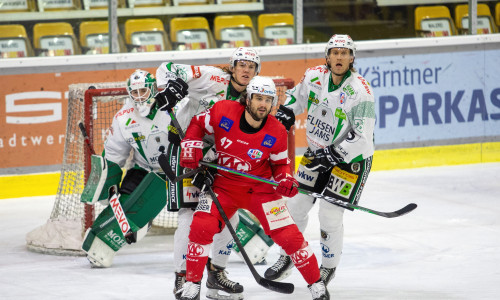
[207, 85]
[342, 115]
[147, 136]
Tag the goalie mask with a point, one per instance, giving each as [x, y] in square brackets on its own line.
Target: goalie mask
[141, 87]
[243, 53]
[264, 86]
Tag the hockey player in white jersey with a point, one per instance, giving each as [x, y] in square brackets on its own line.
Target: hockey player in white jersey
[139, 126]
[340, 124]
[206, 86]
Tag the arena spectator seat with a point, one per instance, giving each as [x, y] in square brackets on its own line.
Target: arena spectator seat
[14, 42]
[191, 33]
[276, 29]
[434, 21]
[485, 22]
[54, 39]
[146, 35]
[94, 38]
[232, 31]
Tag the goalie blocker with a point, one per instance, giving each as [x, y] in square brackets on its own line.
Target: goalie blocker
[142, 196]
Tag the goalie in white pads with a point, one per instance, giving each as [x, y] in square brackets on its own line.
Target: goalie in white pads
[139, 126]
[340, 124]
[206, 86]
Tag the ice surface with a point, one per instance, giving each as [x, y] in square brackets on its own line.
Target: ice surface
[448, 248]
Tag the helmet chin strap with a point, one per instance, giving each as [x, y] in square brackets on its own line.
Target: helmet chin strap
[236, 81]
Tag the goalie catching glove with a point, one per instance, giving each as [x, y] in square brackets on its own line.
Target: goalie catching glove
[174, 92]
[285, 116]
[324, 159]
[191, 153]
[288, 186]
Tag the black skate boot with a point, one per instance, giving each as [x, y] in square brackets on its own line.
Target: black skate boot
[217, 281]
[180, 279]
[318, 291]
[190, 291]
[281, 269]
[327, 274]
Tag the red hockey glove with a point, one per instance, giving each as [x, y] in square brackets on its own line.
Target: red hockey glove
[288, 187]
[191, 153]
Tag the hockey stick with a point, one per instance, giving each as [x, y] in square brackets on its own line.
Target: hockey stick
[114, 202]
[280, 287]
[408, 208]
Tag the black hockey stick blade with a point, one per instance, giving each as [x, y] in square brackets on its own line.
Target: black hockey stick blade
[403, 211]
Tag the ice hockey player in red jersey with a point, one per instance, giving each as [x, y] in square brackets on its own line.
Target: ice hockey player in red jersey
[247, 139]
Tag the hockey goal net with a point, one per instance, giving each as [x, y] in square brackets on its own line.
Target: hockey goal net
[94, 105]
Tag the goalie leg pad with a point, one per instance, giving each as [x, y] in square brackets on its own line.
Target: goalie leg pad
[140, 207]
[104, 175]
[99, 253]
[253, 238]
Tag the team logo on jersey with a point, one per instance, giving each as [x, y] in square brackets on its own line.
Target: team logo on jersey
[232, 161]
[268, 141]
[196, 71]
[226, 123]
[348, 90]
[254, 153]
[339, 114]
[342, 97]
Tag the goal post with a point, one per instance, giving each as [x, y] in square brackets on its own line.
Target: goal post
[94, 105]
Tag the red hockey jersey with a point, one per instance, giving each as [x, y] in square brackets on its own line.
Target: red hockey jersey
[263, 153]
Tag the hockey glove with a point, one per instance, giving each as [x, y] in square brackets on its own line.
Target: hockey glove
[285, 116]
[288, 187]
[324, 159]
[191, 153]
[174, 92]
[173, 135]
[200, 179]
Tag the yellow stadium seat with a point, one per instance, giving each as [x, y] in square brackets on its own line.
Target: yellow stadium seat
[54, 39]
[497, 14]
[485, 22]
[146, 35]
[57, 5]
[94, 37]
[234, 31]
[433, 21]
[191, 33]
[17, 6]
[14, 42]
[276, 29]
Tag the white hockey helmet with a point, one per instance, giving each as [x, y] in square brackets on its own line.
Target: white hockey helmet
[264, 86]
[243, 53]
[340, 41]
[145, 86]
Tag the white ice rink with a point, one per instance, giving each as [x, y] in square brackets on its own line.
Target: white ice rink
[448, 248]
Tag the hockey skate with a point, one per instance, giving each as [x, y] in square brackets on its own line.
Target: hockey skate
[180, 279]
[281, 269]
[327, 274]
[319, 291]
[190, 291]
[218, 282]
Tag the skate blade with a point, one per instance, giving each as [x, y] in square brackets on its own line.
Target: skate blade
[214, 294]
